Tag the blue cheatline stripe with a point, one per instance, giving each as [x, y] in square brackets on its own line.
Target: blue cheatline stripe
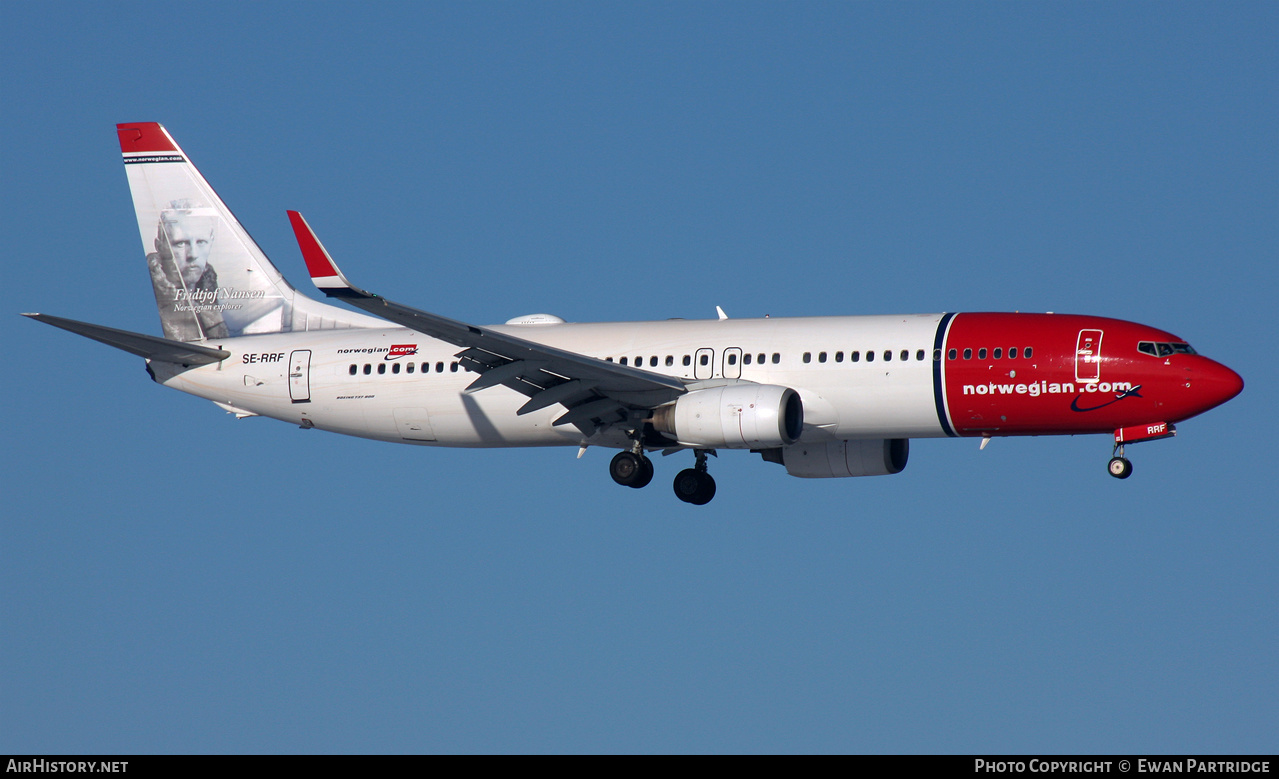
[939, 392]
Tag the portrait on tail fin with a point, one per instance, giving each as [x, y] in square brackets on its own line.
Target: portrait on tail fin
[211, 279]
[186, 285]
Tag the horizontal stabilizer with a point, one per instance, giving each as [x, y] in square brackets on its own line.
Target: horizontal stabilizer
[148, 346]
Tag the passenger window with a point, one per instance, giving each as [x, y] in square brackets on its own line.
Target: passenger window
[808, 356]
[624, 361]
[998, 352]
[888, 355]
[746, 359]
[453, 367]
[687, 360]
[381, 368]
[608, 359]
[821, 356]
[652, 361]
[839, 356]
[353, 369]
[367, 369]
[968, 354]
[952, 354]
[854, 356]
[395, 368]
[670, 360]
[870, 356]
[1028, 351]
[919, 355]
[761, 358]
[905, 355]
[981, 353]
[777, 357]
[1012, 353]
[408, 368]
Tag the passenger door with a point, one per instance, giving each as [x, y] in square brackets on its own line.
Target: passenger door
[1088, 356]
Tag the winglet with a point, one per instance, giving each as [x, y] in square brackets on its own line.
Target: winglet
[324, 271]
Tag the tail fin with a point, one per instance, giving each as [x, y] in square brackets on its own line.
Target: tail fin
[211, 280]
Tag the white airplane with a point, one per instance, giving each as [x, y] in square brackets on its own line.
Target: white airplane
[822, 396]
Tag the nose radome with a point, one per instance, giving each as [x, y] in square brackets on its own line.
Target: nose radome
[1217, 383]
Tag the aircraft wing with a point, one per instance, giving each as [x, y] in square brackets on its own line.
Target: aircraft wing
[148, 346]
[596, 392]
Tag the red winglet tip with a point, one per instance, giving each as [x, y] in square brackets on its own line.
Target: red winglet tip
[317, 262]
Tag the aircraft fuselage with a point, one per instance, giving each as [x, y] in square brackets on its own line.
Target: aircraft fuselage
[911, 376]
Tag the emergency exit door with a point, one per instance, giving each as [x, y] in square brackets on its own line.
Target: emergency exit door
[704, 364]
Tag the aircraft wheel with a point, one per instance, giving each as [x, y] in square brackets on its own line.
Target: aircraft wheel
[694, 486]
[1120, 467]
[628, 470]
[646, 476]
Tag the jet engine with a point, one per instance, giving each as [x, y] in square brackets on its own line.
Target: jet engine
[836, 459]
[735, 416]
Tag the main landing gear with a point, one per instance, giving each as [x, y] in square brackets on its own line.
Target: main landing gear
[692, 485]
[631, 469]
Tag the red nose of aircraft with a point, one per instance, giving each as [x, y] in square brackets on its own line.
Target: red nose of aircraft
[1213, 384]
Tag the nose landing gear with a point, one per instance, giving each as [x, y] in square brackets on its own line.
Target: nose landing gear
[1120, 467]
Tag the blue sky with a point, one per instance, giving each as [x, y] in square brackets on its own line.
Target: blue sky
[172, 580]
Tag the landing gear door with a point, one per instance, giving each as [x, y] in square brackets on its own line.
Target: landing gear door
[300, 376]
[1088, 356]
[704, 364]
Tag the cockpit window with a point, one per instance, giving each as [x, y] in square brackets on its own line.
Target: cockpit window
[1158, 349]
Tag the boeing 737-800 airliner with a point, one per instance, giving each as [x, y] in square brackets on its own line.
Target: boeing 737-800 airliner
[821, 396]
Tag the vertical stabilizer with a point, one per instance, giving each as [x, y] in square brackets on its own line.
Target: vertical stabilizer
[211, 280]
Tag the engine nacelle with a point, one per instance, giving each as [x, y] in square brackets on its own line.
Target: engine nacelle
[735, 416]
[837, 459]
